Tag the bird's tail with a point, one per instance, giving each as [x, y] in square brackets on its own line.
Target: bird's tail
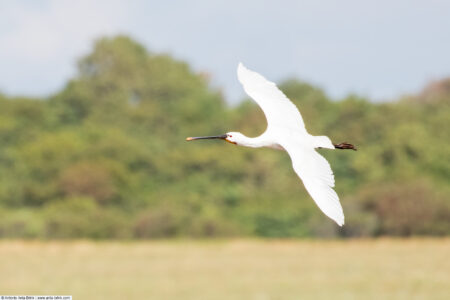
[322, 142]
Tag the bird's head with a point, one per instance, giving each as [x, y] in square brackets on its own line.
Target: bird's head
[230, 137]
[234, 137]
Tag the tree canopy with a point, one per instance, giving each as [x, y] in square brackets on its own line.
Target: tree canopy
[106, 158]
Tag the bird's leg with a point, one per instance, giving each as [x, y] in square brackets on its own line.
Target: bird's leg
[345, 146]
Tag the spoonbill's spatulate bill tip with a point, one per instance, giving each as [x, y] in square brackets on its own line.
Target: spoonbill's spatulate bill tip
[286, 131]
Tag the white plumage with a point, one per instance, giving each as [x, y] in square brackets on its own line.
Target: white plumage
[286, 130]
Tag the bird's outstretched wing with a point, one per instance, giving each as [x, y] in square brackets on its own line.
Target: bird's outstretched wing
[312, 168]
[277, 108]
[317, 176]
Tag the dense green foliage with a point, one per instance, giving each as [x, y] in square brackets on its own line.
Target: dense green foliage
[106, 158]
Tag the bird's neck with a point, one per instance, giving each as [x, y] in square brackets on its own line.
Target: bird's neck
[255, 142]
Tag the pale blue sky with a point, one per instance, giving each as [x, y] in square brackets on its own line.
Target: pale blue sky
[380, 49]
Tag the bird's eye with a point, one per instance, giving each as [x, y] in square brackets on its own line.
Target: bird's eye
[230, 135]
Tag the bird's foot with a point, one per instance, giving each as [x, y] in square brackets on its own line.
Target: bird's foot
[345, 146]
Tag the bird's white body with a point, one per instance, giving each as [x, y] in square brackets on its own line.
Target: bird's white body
[269, 139]
[286, 131]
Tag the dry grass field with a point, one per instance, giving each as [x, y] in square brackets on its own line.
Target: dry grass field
[235, 269]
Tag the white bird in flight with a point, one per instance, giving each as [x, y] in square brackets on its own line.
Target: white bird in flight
[286, 131]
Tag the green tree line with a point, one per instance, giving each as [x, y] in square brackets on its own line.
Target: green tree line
[106, 157]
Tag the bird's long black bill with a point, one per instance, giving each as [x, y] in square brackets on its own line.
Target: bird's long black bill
[222, 137]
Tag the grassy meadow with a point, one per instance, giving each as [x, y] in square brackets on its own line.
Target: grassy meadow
[229, 269]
